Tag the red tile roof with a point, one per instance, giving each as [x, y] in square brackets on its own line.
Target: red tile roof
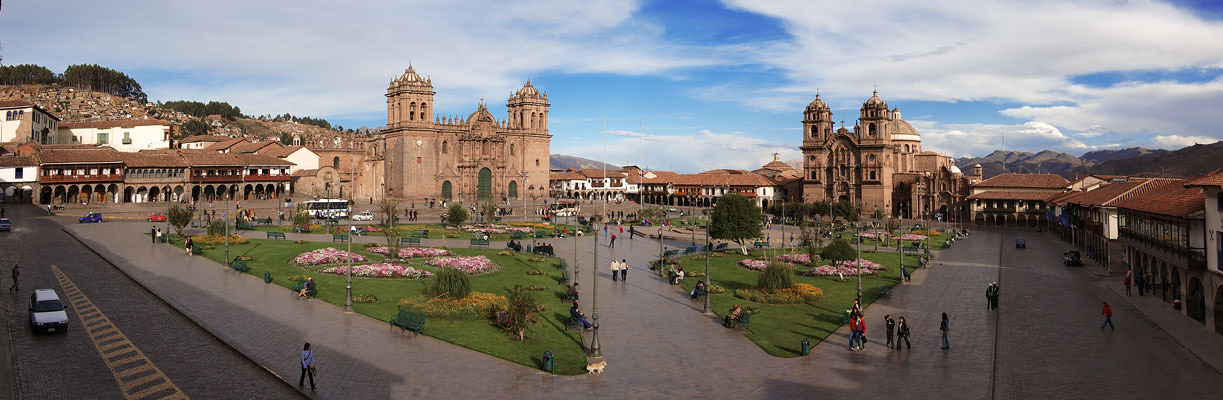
[226, 144]
[80, 156]
[1036, 181]
[1012, 195]
[723, 179]
[255, 147]
[305, 172]
[153, 160]
[17, 161]
[119, 123]
[1172, 199]
[209, 158]
[566, 176]
[204, 138]
[279, 151]
[1209, 179]
[15, 103]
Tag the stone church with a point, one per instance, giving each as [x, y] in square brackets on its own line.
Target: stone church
[879, 165]
[422, 155]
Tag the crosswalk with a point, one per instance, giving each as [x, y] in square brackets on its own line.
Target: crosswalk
[137, 376]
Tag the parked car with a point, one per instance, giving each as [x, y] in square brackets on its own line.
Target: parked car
[363, 216]
[1020, 244]
[1072, 258]
[5, 225]
[671, 209]
[565, 212]
[157, 217]
[91, 217]
[47, 312]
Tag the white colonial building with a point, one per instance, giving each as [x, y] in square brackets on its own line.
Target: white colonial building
[124, 135]
[25, 122]
[18, 176]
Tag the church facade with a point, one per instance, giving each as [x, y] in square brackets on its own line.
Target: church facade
[422, 155]
[879, 165]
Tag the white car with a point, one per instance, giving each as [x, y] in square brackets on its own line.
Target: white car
[363, 216]
[47, 313]
[564, 213]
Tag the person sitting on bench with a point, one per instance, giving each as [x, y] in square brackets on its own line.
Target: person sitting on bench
[698, 290]
[573, 292]
[577, 315]
[732, 315]
[677, 276]
[307, 288]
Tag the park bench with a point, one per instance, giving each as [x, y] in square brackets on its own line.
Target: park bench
[276, 235]
[519, 235]
[479, 242]
[702, 293]
[410, 241]
[339, 237]
[539, 234]
[562, 265]
[885, 291]
[544, 251]
[265, 221]
[573, 323]
[197, 250]
[409, 321]
[244, 225]
[689, 251]
[721, 247]
[420, 234]
[670, 253]
[743, 321]
[513, 246]
[301, 283]
[239, 265]
[162, 239]
[759, 244]
[564, 277]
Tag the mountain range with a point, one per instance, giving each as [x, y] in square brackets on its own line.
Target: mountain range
[562, 162]
[1135, 161]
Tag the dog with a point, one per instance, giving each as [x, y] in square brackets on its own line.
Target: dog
[596, 368]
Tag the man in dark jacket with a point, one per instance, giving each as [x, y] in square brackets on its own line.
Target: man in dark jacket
[902, 332]
[891, 326]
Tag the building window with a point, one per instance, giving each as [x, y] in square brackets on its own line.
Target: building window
[335, 163]
[18, 173]
[872, 175]
[536, 162]
[444, 145]
[418, 160]
[511, 149]
[103, 138]
[127, 138]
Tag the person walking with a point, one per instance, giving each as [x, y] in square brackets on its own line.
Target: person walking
[623, 270]
[307, 364]
[891, 326]
[158, 237]
[612, 244]
[615, 269]
[944, 327]
[1107, 312]
[853, 331]
[189, 245]
[1126, 282]
[861, 332]
[153, 233]
[16, 271]
[902, 332]
[991, 296]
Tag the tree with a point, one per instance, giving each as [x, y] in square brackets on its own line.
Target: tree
[838, 251]
[301, 220]
[878, 214]
[736, 219]
[455, 214]
[390, 208]
[179, 217]
[216, 228]
[286, 139]
[194, 127]
[811, 240]
[775, 276]
[489, 208]
[844, 210]
[650, 213]
[521, 312]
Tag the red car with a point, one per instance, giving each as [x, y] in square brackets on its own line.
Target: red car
[157, 217]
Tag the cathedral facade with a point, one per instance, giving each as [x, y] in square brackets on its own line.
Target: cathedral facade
[879, 165]
[422, 155]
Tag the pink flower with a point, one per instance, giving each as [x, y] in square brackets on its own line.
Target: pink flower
[412, 252]
[469, 265]
[756, 265]
[384, 270]
[326, 256]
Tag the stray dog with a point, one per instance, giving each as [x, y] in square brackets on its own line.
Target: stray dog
[596, 368]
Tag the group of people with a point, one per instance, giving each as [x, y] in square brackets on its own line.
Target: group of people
[620, 268]
[412, 214]
[991, 296]
[732, 316]
[676, 275]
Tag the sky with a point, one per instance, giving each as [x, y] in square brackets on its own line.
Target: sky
[679, 85]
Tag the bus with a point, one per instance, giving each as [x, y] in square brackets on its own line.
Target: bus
[327, 208]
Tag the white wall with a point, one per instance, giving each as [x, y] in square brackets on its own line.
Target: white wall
[10, 122]
[196, 145]
[1214, 229]
[144, 137]
[9, 174]
[304, 158]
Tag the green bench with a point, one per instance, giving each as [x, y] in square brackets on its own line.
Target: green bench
[420, 234]
[519, 235]
[885, 291]
[197, 250]
[743, 321]
[339, 237]
[565, 277]
[670, 253]
[539, 234]
[162, 239]
[479, 242]
[513, 246]
[276, 235]
[411, 241]
[409, 321]
[759, 244]
[690, 251]
[544, 251]
[563, 264]
[239, 265]
[265, 221]
[301, 284]
[244, 225]
[721, 247]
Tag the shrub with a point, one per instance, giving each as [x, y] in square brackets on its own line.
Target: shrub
[219, 240]
[448, 282]
[839, 250]
[179, 217]
[776, 276]
[456, 214]
[216, 228]
[716, 289]
[521, 312]
[474, 306]
[364, 298]
[801, 293]
[535, 272]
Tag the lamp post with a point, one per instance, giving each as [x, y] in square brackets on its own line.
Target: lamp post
[858, 261]
[348, 277]
[525, 176]
[225, 218]
[706, 309]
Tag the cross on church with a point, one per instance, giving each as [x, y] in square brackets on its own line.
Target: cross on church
[842, 123]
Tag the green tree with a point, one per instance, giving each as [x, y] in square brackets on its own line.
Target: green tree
[811, 240]
[456, 214]
[216, 228]
[286, 139]
[651, 213]
[838, 251]
[489, 207]
[775, 276]
[448, 282]
[194, 127]
[179, 217]
[390, 209]
[301, 220]
[737, 219]
[878, 214]
[521, 313]
[27, 74]
[98, 78]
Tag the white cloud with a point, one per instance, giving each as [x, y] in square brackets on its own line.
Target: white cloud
[1136, 108]
[694, 152]
[968, 140]
[1174, 142]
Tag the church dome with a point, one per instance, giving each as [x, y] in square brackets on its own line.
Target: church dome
[899, 128]
[412, 79]
[955, 170]
[875, 101]
[527, 90]
[817, 104]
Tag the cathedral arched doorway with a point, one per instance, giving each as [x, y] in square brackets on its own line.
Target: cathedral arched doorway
[484, 184]
[1219, 310]
[512, 191]
[1196, 300]
[446, 190]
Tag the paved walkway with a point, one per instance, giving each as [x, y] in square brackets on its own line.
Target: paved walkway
[656, 342]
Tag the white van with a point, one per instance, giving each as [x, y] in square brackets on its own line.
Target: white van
[47, 313]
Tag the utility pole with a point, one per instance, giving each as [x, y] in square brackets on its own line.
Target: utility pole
[706, 309]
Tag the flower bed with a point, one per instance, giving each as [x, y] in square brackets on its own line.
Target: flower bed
[802, 293]
[475, 305]
[869, 235]
[494, 228]
[795, 258]
[755, 265]
[412, 252]
[846, 268]
[383, 270]
[326, 256]
[911, 236]
[470, 265]
[218, 240]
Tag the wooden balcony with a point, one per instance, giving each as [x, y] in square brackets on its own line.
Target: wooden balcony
[216, 178]
[267, 178]
[80, 178]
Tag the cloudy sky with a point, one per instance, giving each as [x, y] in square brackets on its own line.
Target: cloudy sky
[679, 84]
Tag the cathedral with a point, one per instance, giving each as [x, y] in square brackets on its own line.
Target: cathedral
[422, 155]
[879, 165]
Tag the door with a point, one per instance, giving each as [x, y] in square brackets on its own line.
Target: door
[484, 184]
[446, 190]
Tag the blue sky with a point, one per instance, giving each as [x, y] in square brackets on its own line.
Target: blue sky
[682, 84]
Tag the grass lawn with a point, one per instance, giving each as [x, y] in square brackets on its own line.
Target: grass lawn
[779, 329]
[482, 335]
[436, 231]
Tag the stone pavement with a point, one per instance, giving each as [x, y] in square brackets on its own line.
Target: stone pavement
[656, 342]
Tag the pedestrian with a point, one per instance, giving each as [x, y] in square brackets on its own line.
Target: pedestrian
[1107, 312]
[157, 235]
[307, 364]
[16, 271]
[853, 331]
[944, 327]
[613, 240]
[991, 296]
[902, 332]
[615, 269]
[621, 229]
[1142, 284]
[861, 332]
[891, 326]
[1126, 281]
[189, 245]
[153, 233]
[624, 270]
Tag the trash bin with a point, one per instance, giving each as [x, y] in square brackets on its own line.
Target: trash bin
[529, 249]
[267, 277]
[806, 346]
[548, 362]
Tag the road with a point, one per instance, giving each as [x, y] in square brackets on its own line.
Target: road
[149, 346]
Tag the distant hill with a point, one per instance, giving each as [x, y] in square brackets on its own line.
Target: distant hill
[1102, 156]
[1193, 160]
[1135, 161]
[561, 161]
[1000, 161]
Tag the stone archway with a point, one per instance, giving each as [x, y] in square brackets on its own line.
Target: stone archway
[153, 193]
[61, 194]
[112, 193]
[128, 192]
[1195, 300]
[1176, 284]
[44, 195]
[86, 193]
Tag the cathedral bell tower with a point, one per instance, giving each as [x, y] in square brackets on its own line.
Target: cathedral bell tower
[817, 131]
[409, 100]
[528, 110]
[873, 120]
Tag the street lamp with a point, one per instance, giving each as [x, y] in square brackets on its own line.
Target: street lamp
[706, 309]
[348, 276]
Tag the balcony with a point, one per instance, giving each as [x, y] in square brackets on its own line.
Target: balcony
[80, 178]
[215, 178]
[267, 178]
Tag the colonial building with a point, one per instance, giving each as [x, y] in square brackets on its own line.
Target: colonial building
[422, 155]
[1014, 199]
[25, 122]
[879, 165]
[123, 135]
[18, 176]
[1092, 217]
[1212, 295]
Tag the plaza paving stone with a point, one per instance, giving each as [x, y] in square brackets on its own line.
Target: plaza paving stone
[658, 345]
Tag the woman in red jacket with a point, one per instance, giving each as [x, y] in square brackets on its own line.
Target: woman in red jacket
[1108, 317]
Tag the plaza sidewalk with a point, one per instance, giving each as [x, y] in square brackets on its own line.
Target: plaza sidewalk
[656, 342]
